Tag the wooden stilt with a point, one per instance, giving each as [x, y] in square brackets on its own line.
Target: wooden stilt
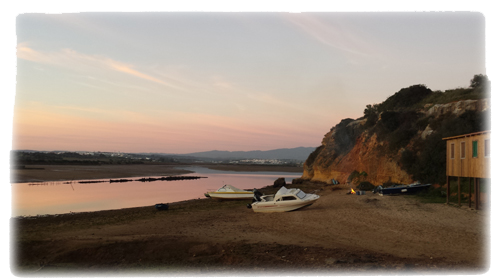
[459, 191]
[478, 193]
[470, 192]
[447, 189]
[475, 194]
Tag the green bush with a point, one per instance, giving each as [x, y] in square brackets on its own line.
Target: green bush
[365, 186]
[405, 98]
[352, 176]
[371, 115]
[426, 161]
[355, 176]
[400, 138]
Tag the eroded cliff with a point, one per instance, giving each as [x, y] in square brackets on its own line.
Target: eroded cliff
[366, 155]
[390, 147]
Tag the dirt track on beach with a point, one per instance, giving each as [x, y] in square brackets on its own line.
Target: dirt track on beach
[338, 235]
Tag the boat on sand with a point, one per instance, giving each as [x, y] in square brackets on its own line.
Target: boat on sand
[283, 201]
[230, 192]
[401, 189]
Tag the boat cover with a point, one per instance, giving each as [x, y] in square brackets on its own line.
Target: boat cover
[229, 188]
[284, 191]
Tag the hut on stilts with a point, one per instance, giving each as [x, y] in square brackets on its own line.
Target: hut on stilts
[468, 156]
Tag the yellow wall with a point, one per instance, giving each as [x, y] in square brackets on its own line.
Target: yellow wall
[478, 167]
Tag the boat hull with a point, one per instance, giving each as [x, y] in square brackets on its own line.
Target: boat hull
[271, 206]
[403, 189]
[161, 206]
[231, 195]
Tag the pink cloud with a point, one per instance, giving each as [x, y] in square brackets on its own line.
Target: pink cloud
[68, 58]
[44, 129]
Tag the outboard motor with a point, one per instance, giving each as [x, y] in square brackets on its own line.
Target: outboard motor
[256, 195]
[377, 189]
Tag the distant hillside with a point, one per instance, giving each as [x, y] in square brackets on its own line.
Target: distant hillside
[300, 153]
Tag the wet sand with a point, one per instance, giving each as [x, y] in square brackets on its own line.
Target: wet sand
[41, 173]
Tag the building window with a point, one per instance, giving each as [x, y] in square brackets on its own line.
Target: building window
[487, 147]
[474, 149]
[452, 150]
[462, 149]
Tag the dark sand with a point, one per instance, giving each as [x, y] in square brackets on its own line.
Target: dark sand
[338, 235]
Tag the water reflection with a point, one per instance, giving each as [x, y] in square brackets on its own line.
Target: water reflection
[65, 197]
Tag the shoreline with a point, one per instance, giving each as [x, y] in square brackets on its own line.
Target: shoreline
[346, 234]
[90, 175]
[54, 173]
[338, 235]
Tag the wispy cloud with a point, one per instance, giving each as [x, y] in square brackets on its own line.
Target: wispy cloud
[68, 58]
[88, 128]
[334, 35]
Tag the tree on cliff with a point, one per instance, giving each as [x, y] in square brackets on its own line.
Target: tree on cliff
[405, 98]
[480, 81]
[371, 114]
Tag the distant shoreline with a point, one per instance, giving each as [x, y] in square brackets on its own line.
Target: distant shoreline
[48, 173]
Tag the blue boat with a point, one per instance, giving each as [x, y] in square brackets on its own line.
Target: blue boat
[161, 206]
[401, 189]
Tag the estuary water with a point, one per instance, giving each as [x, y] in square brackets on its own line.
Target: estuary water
[31, 199]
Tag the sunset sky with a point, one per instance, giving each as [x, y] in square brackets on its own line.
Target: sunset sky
[190, 82]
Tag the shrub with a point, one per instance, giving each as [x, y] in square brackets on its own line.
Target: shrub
[371, 115]
[405, 98]
[355, 176]
[390, 120]
[365, 186]
[400, 138]
[429, 164]
[352, 176]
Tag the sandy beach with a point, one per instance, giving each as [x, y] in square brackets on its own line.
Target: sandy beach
[338, 235]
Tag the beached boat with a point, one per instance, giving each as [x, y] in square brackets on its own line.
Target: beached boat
[401, 189]
[230, 192]
[161, 206]
[283, 201]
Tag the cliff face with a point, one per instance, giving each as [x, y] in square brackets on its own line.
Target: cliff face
[364, 156]
[351, 146]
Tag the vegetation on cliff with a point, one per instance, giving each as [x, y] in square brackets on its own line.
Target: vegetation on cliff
[408, 127]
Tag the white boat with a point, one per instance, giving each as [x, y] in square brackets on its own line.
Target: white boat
[230, 192]
[284, 200]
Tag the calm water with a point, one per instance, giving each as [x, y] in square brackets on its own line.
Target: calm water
[59, 198]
